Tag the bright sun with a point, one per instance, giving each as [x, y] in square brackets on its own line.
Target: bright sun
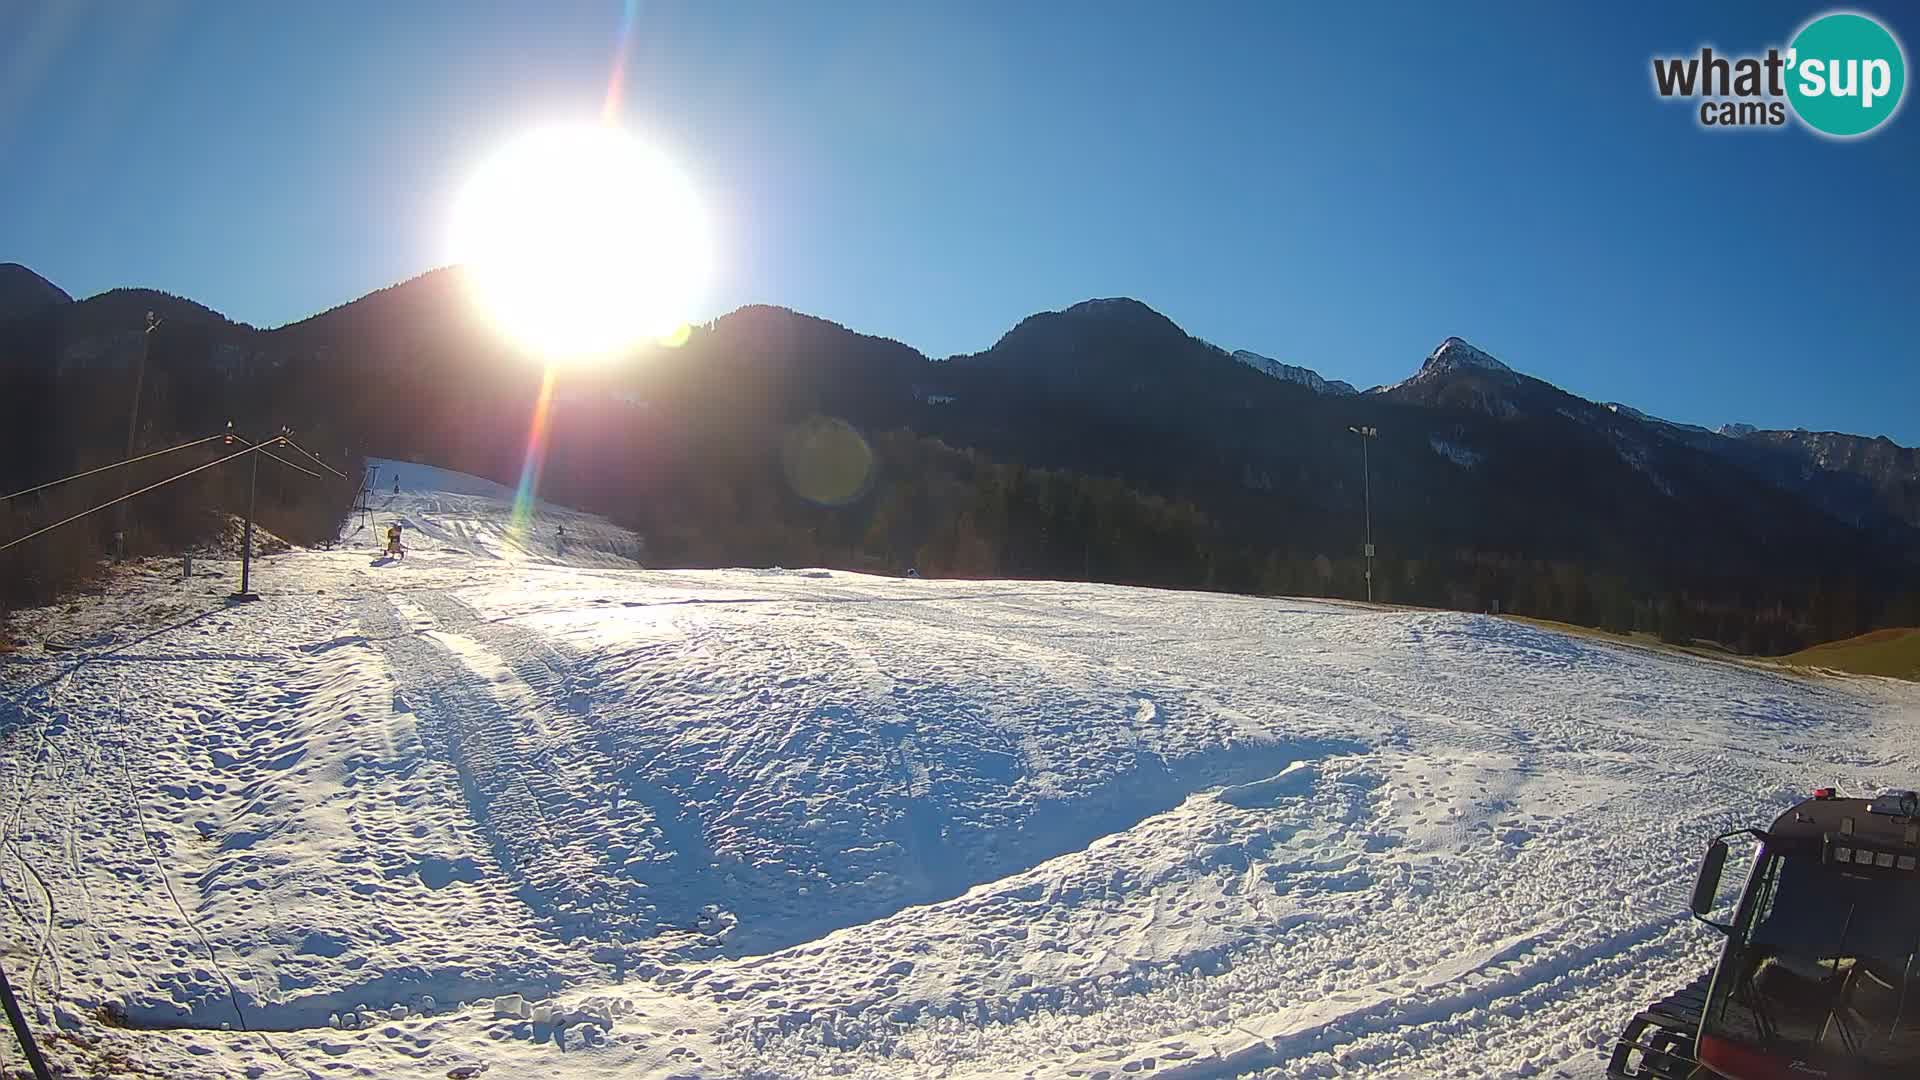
[579, 241]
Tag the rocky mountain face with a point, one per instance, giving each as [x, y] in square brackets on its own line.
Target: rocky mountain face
[1289, 373]
[1472, 454]
[1865, 480]
[1458, 376]
[1872, 483]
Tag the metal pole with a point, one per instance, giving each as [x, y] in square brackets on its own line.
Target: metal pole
[133, 428]
[1366, 487]
[139, 379]
[246, 548]
[19, 1022]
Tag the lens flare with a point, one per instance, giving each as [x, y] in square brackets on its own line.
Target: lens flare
[579, 242]
[623, 48]
[519, 522]
[827, 461]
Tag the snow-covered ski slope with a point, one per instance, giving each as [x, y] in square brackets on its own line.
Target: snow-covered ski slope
[445, 513]
[804, 823]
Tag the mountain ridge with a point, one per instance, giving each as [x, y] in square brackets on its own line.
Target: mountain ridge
[1451, 354]
[1306, 377]
[1113, 346]
[23, 292]
[1477, 467]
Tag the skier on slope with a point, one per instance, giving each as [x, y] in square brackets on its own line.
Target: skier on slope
[393, 542]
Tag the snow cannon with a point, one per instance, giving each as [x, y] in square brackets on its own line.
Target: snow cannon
[1820, 972]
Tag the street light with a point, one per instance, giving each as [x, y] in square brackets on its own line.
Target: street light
[1366, 488]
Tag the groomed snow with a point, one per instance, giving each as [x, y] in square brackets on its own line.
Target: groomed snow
[805, 823]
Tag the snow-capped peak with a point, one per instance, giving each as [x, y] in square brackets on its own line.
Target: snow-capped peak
[1737, 431]
[1288, 373]
[1455, 353]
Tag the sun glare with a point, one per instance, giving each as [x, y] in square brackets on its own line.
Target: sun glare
[580, 241]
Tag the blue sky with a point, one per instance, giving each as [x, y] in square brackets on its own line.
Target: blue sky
[1339, 186]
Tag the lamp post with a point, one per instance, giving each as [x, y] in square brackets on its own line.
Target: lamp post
[1366, 487]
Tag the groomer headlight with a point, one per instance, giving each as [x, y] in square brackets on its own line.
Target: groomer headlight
[1896, 804]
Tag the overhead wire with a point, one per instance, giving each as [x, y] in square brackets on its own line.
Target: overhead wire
[262, 447]
[104, 468]
[287, 441]
[129, 495]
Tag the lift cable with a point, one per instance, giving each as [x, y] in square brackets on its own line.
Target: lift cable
[262, 447]
[129, 495]
[286, 441]
[104, 468]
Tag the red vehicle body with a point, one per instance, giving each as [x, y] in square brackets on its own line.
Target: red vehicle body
[1820, 976]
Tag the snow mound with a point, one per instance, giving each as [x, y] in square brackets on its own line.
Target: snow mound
[231, 541]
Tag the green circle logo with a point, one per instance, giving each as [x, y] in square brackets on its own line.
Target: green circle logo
[1846, 74]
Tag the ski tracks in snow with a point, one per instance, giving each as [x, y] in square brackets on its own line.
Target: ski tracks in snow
[842, 825]
[508, 709]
